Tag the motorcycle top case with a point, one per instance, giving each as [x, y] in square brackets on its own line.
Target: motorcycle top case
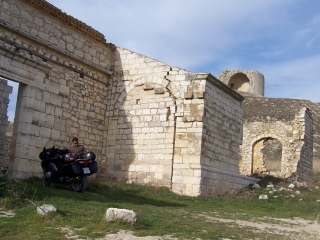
[73, 169]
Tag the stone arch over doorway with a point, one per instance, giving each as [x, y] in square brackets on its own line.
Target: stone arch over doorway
[239, 82]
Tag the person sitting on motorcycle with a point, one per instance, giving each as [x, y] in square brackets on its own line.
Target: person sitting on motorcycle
[77, 149]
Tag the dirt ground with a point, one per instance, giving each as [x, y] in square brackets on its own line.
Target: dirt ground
[296, 228]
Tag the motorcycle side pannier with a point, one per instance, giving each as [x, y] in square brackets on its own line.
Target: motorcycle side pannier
[93, 166]
[72, 168]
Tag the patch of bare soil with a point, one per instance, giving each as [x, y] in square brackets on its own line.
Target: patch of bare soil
[121, 235]
[296, 228]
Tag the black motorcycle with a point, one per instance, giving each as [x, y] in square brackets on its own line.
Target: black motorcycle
[61, 167]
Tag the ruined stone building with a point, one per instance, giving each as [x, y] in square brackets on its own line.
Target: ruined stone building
[148, 122]
[280, 136]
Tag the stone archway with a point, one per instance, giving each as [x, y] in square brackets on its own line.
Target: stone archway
[266, 156]
[239, 82]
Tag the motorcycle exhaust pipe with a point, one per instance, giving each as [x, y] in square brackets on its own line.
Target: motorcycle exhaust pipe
[71, 180]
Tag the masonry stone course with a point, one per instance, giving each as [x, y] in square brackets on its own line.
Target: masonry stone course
[148, 122]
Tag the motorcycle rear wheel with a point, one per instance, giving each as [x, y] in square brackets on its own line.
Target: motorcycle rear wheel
[81, 185]
[46, 182]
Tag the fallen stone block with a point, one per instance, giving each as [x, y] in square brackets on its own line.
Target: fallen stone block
[291, 185]
[45, 209]
[256, 185]
[263, 197]
[121, 214]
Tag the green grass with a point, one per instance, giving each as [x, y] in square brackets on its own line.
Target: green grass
[160, 212]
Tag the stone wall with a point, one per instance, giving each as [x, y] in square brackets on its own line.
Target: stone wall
[148, 122]
[5, 91]
[7, 145]
[222, 136]
[288, 121]
[147, 134]
[63, 68]
[155, 129]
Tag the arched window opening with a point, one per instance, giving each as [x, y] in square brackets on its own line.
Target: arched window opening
[239, 82]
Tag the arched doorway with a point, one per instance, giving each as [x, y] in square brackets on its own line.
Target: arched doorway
[266, 156]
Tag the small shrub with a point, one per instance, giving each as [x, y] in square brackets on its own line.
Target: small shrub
[12, 192]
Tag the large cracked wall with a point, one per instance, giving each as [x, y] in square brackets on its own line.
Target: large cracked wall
[63, 67]
[156, 127]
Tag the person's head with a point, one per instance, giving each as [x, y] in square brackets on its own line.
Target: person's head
[75, 141]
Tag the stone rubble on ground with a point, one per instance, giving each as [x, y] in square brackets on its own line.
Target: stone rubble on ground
[256, 185]
[291, 185]
[46, 209]
[122, 214]
[263, 197]
[7, 213]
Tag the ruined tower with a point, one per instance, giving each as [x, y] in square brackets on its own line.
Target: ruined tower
[249, 81]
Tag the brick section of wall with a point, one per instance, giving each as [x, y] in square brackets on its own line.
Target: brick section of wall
[5, 91]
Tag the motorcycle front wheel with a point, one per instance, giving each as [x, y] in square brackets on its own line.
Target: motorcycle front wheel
[81, 185]
[46, 182]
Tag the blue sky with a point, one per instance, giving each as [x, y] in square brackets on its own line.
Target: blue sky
[279, 38]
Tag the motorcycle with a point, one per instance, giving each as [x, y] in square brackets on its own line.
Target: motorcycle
[61, 167]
